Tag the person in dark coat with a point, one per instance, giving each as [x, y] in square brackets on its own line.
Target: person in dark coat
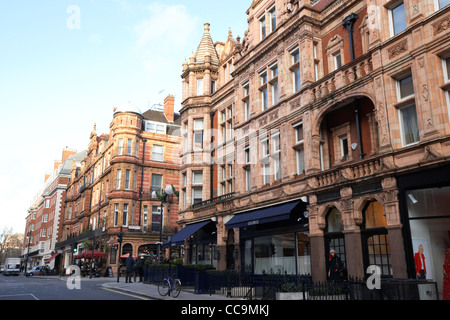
[335, 266]
[130, 268]
[139, 269]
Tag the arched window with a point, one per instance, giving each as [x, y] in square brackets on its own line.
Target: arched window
[334, 221]
[375, 238]
[334, 237]
[127, 248]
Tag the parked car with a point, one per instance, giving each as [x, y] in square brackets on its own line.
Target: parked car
[38, 270]
[2, 269]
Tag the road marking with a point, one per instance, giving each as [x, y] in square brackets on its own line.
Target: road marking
[17, 295]
[127, 294]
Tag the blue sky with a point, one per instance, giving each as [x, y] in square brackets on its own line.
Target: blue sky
[64, 65]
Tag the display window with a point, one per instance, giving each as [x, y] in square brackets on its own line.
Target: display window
[429, 223]
[288, 253]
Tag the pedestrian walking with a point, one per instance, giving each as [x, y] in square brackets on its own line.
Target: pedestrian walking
[129, 268]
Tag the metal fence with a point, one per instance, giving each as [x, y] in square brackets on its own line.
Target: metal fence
[233, 284]
[301, 287]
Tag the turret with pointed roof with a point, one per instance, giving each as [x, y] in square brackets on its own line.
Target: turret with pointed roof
[206, 48]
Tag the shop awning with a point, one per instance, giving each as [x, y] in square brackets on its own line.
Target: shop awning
[183, 234]
[51, 258]
[263, 215]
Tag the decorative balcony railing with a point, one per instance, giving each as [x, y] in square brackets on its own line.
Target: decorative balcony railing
[212, 200]
[346, 75]
[350, 171]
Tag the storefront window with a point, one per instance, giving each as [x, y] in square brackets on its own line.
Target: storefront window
[203, 253]
[429, 221]
[248, 255]
[303, 254]
[275, 254]
[281, 253]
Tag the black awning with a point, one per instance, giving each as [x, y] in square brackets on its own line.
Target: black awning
[183, 234]
[263, 215]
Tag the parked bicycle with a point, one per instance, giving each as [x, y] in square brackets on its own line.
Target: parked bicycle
[170, 285]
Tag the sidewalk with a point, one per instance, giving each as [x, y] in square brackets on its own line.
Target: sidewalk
[151, 291]
[145, 290]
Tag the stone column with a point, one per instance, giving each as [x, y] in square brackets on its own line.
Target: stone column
[353, 249]
[318, 263]
[398, 258]
[394, 227]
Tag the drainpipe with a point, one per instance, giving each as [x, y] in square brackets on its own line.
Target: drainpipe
[358, 128]
[211, 169]
[142, 182]
[348, 23]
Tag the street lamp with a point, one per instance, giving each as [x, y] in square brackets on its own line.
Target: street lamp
[168, 191]
[28, 251]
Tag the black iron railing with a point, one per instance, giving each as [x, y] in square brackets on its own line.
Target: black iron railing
[233, 284]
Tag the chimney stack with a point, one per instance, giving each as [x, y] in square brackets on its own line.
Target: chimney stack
[169, 105]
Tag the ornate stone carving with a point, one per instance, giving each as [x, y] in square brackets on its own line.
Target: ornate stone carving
[441, 25]
[291, 5]
[313, 183]
[430, 154]
[347, 174]
[398, 49]
[425, 92]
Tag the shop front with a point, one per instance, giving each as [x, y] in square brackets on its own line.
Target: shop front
[425, 206]
[198, 242]
[274, 239]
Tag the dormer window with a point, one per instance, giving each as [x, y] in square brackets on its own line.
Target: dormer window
[155, 127]
[267, 22]
[262, 26]
[273, 19]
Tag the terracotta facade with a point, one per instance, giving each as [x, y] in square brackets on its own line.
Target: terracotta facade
[346, 112]
[44, 215]
[112, 189]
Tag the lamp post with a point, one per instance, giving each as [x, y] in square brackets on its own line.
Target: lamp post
[168, 191]
[28, 251]
[119, 240]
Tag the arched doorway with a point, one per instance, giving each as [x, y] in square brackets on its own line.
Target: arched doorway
[334, 236]
[348, 132]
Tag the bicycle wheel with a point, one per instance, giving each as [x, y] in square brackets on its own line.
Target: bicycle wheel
[176, 288]
[163, 287]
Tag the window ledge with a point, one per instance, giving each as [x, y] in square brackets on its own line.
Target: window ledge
[446, 86]
[405, 102]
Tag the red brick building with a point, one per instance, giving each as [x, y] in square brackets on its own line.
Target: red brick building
[44, 215]
[325, 127]
[112, 187]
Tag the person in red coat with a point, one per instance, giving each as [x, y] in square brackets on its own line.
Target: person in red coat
[419, 259]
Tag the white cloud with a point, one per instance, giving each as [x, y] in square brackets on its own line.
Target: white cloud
[163, 40]
[124, 5]
[169, 25]
[165, 34]
[96, 39]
